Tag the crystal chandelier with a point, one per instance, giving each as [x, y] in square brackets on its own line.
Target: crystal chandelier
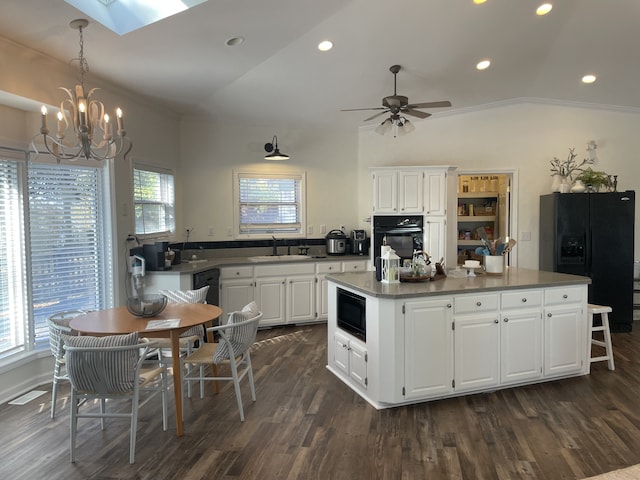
[90, 128]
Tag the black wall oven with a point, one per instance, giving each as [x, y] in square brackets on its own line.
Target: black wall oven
[352, 313]
[404, 234]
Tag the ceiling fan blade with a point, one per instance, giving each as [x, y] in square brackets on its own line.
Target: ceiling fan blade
[358, 109]
[444, 103]
[416, 113]
[376, 115]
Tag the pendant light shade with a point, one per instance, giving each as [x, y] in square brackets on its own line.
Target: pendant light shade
[272, 151]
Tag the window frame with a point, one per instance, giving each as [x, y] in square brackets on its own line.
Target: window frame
[299, 177]
[172, 206]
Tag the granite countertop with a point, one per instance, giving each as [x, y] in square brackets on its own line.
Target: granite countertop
[512, 278]
[209, 263]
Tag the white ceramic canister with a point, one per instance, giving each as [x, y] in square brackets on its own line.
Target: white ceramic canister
[494, 263]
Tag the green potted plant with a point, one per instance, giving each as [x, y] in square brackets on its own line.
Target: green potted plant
[596, 179]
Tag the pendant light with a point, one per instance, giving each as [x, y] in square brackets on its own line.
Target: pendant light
[273, 147]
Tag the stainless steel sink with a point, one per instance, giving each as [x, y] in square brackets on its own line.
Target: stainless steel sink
[279, 258]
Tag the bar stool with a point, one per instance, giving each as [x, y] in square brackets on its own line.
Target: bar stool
[604, 328]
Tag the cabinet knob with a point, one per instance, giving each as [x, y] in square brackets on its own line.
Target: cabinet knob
[549, 315]
[449, 305]
[330, 268]
[565, 296]
[478, 304]
[495, 321]
[524, 300]
[506, 320]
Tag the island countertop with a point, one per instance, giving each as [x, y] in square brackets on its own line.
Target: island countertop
[511, 279]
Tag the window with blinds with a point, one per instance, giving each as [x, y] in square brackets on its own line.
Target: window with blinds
[153, 196]
[52, 247]
[270, 204]
[66, 240]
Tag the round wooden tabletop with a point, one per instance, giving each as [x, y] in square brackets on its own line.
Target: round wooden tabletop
[116, 321]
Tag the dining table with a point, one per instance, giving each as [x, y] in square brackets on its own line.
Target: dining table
[174, 320]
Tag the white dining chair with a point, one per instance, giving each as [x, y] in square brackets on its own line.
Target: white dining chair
[111, 368]
[233, 348]
[58, 324]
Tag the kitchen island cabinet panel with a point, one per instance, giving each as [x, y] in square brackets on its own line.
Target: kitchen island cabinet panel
[458, 336]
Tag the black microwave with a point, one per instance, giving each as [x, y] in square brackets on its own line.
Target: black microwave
[352, 313]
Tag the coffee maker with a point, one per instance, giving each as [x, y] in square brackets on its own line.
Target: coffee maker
[359, 242]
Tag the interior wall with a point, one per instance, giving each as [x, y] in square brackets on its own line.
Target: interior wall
[524, 136]
[210, 152]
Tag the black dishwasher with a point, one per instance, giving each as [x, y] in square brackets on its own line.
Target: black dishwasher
[209, 277]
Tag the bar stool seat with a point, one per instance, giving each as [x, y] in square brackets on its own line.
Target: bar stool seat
[603, 311]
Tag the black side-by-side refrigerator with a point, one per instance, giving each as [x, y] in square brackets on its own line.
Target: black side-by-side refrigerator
[591, 234]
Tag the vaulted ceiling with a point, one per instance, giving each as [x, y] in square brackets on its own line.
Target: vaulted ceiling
[277, 76]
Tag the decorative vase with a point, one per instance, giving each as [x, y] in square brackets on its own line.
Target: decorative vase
[557, 181]
[565, 187]
[578, 187]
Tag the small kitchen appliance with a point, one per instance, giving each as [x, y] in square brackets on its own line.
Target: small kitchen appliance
[359, 242]
[336, 241]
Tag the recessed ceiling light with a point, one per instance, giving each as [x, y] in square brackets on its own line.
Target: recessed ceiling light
[544, 9]
[589, 78]
[234, 41]
[479, 2]
[483, 64]
[325, 45]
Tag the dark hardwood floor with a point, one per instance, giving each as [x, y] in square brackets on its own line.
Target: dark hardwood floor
[307, 425]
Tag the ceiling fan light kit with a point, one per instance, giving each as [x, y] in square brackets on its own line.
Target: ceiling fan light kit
[272, 151]
[398, 106]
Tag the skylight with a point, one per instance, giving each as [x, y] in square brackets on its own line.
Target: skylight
[124, 16]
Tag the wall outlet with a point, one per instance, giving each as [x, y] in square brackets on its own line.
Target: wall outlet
[229, 231]
[525, 236]
[323, 229]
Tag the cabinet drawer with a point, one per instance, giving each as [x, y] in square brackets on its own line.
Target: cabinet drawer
[354, 266]
[328, 267]
[476, 303]
[236, 272]
[285, 270]
[562, 295]
[522, 299]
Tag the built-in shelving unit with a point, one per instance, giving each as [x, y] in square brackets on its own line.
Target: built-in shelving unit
[476, 209]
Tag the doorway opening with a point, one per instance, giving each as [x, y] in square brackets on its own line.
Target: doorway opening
[485, 209]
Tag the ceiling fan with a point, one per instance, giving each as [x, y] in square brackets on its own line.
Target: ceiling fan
[398, 105]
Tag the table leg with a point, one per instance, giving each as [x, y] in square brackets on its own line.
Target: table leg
[177, 378]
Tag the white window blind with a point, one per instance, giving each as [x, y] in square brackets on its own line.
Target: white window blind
[13, 301]
[269, 204]
[66, 240]
[153, 195]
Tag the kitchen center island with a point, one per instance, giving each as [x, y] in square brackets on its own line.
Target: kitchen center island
[456, 336]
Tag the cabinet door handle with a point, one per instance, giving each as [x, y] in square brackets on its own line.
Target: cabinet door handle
[478, 304]
[565, 296]
[495, 321]
[524, 300]
[449, 305]
[549, 315]
[506, 320]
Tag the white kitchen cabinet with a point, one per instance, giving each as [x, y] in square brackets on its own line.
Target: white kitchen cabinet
[428, 348]
[398, 191]
[322, 269]
[301, 299]
[354, 266]
[350, 357]
[385, 192]
[286, 293]
[476, 357]
[236, 288]
[565, 335]
[435, 192]
[521, 336]
[434, 237]
[270, 296]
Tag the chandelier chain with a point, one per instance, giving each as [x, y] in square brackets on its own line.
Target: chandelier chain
[84, 65]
